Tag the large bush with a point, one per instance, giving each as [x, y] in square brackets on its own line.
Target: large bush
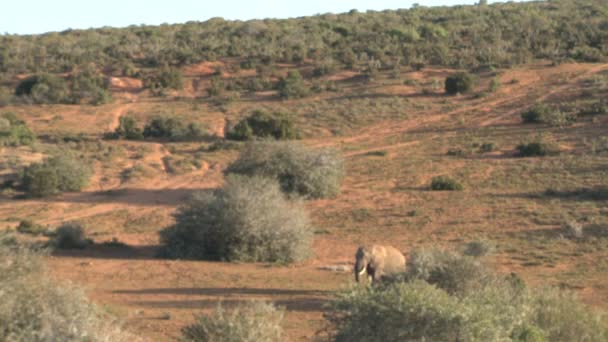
[128, 129]
[292, 86]
[423, 306]
[298, 169]
[250, 322]
[60, 173]
[260, 124]
[35, 308]
[172, 128]
[44, 88]
[461, 82]
[248, 219]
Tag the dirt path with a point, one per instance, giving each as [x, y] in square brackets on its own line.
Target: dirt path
[118, 112]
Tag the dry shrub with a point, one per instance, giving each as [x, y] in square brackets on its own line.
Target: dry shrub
[35, 308]
[250, 322]
[300, 170]
[445, 296]
[248, 219]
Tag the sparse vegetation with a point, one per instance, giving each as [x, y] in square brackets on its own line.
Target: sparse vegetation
[31, 227]
[299, 170]
[248, 219]
[249, 322]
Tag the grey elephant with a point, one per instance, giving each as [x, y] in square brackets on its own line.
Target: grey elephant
[378, 261]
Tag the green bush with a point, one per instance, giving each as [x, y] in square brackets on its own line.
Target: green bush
[70, 235]
[299, 170]
[44, 88]
[537, 114]
[444, 183]
[33, 307]
[422, 306]
[90, 87]
[60, 173]
[454, 273]
[248, 219]
[171, 78]
[279, 126]
[536, 149]
[250, 322]
[14, 132]
[292, 86]
[128, 129]
[461, 82]
[173, 129]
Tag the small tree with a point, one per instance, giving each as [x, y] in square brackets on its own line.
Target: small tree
[128, 129]
[461, 82]
[292, 86]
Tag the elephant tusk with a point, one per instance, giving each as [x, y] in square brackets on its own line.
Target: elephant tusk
[362, 271]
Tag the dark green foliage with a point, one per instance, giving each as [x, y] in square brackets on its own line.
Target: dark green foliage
[253, 321]
[173, 129]
[248, 219]
[70, 236]
[260, 124]
[537, 114]
[292, 86]
[444, 183]
[299, 170]
[461, 82]
[128, 129]
[60, 173]
[536, 149]
[44, 88]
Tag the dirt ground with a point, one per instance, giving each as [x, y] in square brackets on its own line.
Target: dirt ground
[385, 197]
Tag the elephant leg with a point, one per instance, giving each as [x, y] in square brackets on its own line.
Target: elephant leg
[371, 274]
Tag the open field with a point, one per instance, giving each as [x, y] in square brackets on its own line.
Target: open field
[395, 133]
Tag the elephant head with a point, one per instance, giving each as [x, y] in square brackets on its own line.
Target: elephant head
[378, 261]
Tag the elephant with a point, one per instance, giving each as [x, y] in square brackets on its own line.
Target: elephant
[378, 261]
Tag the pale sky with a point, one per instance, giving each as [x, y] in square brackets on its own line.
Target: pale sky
[39, 16]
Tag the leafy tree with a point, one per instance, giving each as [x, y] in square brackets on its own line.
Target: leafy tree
[292, 86]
